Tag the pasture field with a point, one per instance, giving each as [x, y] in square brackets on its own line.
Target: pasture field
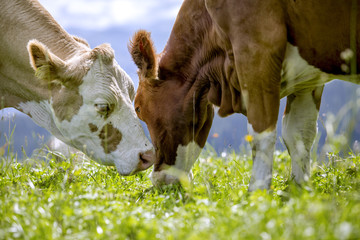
[79, 199]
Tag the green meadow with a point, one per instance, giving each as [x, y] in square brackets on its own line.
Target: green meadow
[79, 199]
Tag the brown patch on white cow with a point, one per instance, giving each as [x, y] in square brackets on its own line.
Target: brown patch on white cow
[66, 102]
[110, 138]
[93, 127]
[66, 97]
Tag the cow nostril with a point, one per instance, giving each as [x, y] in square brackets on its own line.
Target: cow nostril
[146, 160]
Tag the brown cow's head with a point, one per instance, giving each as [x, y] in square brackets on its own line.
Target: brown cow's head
[176, 112]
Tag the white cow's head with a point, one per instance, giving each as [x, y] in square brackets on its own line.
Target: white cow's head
[90, 107]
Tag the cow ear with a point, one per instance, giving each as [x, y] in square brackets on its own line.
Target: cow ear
[47, 65]
[142, 50]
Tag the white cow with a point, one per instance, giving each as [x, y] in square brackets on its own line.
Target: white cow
[81, 96]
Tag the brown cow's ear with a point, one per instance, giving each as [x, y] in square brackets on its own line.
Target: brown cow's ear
[142, 50]
[47, 66]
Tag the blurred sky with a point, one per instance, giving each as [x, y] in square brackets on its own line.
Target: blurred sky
[115, 21]
[103, 14]
[89, 18]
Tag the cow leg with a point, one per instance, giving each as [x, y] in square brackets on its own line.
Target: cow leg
[299, 127]
[256, 41]
[263, 145]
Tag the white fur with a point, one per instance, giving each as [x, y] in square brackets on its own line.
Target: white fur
[32, 30]
[186, 156]
[168, 176]
[299, 125]
[299, 128]
[299, 75]
[99, 85]
[185, 159]
[42, 114]
[263, 145]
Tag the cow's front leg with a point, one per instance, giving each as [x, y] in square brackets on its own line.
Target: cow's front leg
[263, 145]
[258, 47]
[299, 129]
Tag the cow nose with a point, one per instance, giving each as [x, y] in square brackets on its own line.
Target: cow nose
[147, 159]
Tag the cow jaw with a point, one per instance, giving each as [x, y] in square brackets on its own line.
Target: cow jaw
[185, 159]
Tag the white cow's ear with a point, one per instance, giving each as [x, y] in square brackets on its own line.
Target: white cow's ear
[47, 66]
[142, 50]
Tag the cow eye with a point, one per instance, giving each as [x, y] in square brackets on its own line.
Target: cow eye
[137, 109]
[103, 108]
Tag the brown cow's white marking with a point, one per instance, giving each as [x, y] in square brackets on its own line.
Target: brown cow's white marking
[185, 159]
[81, 95]
[304, 83]
[304, 86]
[264, 143]
[298, 75]
[187, 155]
[297, 138]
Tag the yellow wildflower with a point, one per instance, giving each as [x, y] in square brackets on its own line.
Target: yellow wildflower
[249, 138]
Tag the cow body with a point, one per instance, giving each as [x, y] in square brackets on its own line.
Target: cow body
[80, 95]
[244, 56]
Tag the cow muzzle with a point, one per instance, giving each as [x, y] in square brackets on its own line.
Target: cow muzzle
[146, 160]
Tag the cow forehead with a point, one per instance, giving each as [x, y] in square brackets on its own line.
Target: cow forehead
[106, 80]
[100, 81]
[100, 85]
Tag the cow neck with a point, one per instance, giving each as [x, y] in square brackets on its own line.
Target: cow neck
[185, 55]
[34, 22]
[196, 54]
[30, 21]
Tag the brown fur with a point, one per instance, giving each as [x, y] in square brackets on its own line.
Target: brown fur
[62, 79]
[93, 127]
[66, 102]
[110, 138]
[143, 52]
[323, 32]
[230, 53]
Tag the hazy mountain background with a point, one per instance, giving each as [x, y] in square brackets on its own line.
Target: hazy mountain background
[114, 22]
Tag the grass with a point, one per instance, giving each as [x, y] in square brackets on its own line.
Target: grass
[84, 200]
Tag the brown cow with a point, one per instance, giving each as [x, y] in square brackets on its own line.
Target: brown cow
[244, 56]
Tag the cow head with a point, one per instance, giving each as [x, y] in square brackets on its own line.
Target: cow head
[90, 106]
[177, 113]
